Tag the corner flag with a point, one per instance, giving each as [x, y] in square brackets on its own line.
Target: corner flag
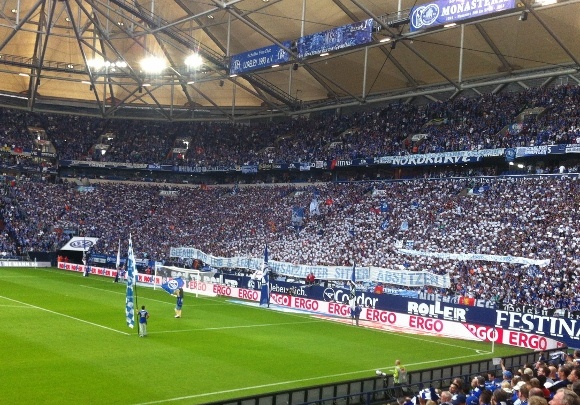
[131, 280]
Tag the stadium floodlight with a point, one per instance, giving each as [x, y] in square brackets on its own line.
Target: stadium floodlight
[96, 63]
[152, 64]
[194, 61]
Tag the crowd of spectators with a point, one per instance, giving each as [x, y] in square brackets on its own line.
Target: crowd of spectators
[364, 223]
[551, 381]
[538, 116]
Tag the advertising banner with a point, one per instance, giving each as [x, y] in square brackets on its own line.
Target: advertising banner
[346, 36]
[438, 13]
[259, 58]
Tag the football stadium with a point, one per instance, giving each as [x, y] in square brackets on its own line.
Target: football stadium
[282, 202]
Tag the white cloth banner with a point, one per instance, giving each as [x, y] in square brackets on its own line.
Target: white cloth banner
[80, 243]
[475, 256]
[364, 274]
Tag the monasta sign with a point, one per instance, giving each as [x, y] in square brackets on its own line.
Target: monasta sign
[443, 12]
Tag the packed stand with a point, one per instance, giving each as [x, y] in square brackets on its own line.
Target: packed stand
[456, 125]
[551, 380]
[363, 223]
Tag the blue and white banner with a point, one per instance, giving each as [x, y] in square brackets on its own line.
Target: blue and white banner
[297, 216]
[131, 280]
[347, 36]
[259, 58]
[80, 243]
[248, 169]
[364, 274]
[476, 256]
[441, 12]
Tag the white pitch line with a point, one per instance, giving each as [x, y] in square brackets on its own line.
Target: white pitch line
[64, 315]
[162, 401]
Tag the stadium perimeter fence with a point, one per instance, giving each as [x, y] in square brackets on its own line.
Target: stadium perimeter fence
[382, 390]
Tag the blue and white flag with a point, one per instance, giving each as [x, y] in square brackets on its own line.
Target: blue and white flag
[172, 284]
[265, 290]
[314, 207]
[131, 280]
[385, 224]
[384, 207]
[297, 216]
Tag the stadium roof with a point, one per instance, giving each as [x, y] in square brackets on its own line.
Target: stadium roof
[48, 47]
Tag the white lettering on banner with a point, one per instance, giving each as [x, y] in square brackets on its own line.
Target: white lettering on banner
[543, 325]
[397, 277]
[437, 311]
[532, 150]
[430, 160]
[17, 263]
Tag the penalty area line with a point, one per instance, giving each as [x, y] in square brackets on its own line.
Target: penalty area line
[65, 315]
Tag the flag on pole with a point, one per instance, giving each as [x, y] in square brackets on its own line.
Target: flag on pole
[265, 290]
[118, 263]
[352, 298]
[131, 279]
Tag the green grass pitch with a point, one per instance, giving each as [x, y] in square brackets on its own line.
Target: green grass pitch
[64, 340]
